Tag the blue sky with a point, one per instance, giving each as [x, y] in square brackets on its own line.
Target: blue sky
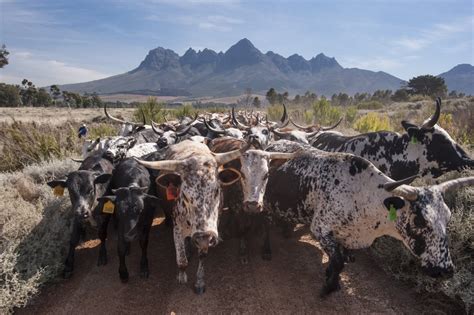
[75, 41]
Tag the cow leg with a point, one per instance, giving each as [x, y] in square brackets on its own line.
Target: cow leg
[144, 272]
[188, 246]
[200, 285]
[103, 236]
[181, 259]
[243, 236]
[266, 249]
[122, 249]
[75, 237]
[336, 262]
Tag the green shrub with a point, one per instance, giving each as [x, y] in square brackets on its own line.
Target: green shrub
[370, 105]
[351, 114]
[275, 112]
[152, 109]
[186, 110]
[372, 122]
[324, 113]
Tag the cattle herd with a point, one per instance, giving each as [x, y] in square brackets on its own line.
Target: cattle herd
[225, 175]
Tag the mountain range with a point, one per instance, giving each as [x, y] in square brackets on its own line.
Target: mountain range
[242, 66]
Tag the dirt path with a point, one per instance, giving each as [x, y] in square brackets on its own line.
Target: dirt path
[290, 283]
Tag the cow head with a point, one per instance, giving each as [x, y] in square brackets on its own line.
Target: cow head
[422, 220]
[198, 199]
[171, 136]
[304, 134]
[254, 170]
[83, 187]
[128, 128]
[441, 152]
[129, 203]
[214, 131]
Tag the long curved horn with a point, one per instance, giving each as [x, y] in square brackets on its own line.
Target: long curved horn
[77, 160]
[223, 158]
[155, 129]
[166, 165]
[217, 131]
[333, 126]
[226, 120]
[93, 145]
[312, 134]
[188, 127]
[117, 119]
[429, 123]
[236, 122]
[392, 185]
[284, 121]
[280, 155]
[279, 133]
[456, 184]
[299, 126]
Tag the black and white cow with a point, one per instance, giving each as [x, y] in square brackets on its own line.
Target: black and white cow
[133, 207]
[194, 172]
[171, 136]
[84, 186]
[305, 134]
[427, 150]
[348, 203]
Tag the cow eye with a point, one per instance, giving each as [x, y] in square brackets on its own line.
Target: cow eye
[265, 131]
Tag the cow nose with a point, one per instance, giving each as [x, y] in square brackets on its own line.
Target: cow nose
[252, 207]
[204, 240]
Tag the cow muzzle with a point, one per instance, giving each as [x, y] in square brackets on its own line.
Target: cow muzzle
[204, 240]
[253, 207]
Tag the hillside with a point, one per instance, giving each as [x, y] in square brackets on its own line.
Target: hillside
[208, 73]
[460, 79]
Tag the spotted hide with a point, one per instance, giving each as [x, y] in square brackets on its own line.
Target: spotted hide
[348, 203]
[194, 170]
[427, 150]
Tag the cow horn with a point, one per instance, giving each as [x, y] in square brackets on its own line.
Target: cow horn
[117, 119]
[312, 134]
[299, 126]
[402, 189]
[237, 123]
[456, 184]
[217, 131]
[155, 129]
[223, 158]
[188, 127]
[429, 123]
[226, 120]
[166, 165]
[284, 121]
[333, 126]
[281, 134]
[280, 155]
[77, 160]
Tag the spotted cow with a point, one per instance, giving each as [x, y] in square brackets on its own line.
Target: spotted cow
[427, 150]
[194, 171]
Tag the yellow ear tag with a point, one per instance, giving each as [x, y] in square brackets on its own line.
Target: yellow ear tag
[108, 207]
[58, 190]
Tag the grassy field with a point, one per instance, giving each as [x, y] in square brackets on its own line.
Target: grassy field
[36, 142]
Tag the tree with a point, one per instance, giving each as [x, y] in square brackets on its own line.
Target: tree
[55, 92]
[427, 85]
[9, 95]
[246, 100]
[271, 96]
[28, 92]
[256, 102]
[400, 95]
[3, 56]
[42, 98]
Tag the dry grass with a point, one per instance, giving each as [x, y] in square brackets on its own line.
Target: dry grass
[33, 229]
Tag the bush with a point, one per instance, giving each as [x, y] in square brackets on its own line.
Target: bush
[185, 111]
[275, 112]
[152, 109]
[324, 113]
[351, 114]
[34, 234]
[370, 105]
[372, 122]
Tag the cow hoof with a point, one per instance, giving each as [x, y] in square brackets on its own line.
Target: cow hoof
[199, 289]
[67, 274]
[144, 274]
[182, 278]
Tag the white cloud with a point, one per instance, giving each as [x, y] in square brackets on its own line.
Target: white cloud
[375, 64]
[43, 72]
[436, 33]
[210, 22]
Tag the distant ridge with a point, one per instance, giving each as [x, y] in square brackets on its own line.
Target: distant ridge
[460, 78]
[208, 73]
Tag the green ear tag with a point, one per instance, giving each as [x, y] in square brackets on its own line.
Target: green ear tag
[392, 213]
[413, 140]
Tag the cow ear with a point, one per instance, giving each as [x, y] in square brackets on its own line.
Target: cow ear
[102, 178]
[395, 202]
[228, 176]
[406, 125]
[165, 180]
[56, 183]
[141, 190]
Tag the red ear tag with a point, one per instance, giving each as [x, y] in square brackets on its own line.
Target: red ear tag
[172, 192]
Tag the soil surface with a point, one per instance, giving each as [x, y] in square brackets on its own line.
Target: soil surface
[290, 283]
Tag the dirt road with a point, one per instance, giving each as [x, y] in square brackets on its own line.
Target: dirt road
[290, 283]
